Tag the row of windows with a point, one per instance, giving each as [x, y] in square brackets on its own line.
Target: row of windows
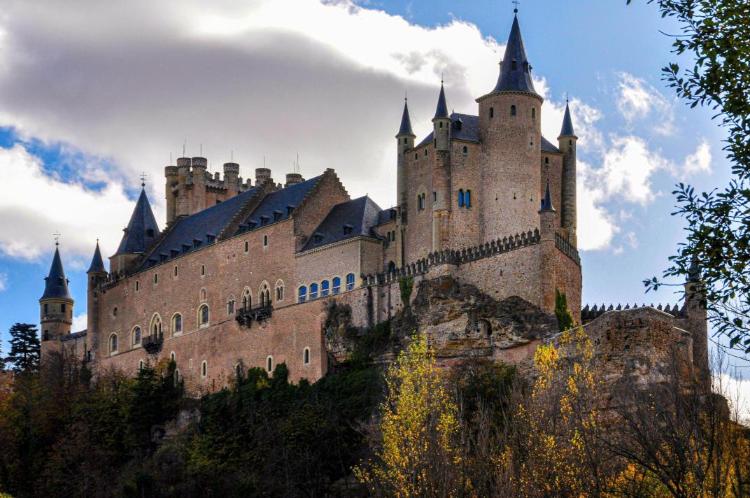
[325, 289]
[513, 111]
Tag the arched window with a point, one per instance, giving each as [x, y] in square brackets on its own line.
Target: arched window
[177, 377]
[204, 369]
[203, 316]
[203, 294]
[336, 285]
[302, 294]
[155, 328]
[492, 112]
[176, 324]
[467, 198]
[391, 267]
[269, 364]
[136, 335]
[533, 113]
[546, 160]
[230, 305]
[325, 287]
[173, 357]
[279, 290]
[265, 295]
[247, 299]
[113, 344]
[465, 150]
[513, 110]
[350, 281]
[461, 198]
[306, 356]
[313, 291]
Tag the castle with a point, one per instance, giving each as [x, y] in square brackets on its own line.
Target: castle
[240, 275]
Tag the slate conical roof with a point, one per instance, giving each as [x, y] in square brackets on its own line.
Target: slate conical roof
[405, 128]
[56, 285]
[567, 125]
[441, 112]
[515, 70]
[142, 229]
[97, 264]
[547, 201]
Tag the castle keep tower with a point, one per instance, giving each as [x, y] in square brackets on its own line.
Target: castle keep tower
[510, 132]
[56, 304]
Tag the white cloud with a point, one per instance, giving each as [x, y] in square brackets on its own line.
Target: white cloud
[79, 322]
[628, 168]
[3, 281]
[596, 226]
[737, 392]
[638, 100]
[699, 161]
[35, 205]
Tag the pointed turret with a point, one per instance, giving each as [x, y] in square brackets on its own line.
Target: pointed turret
[567, 124]
[441, 111]
[404, 143]
[515, 70]
[441, 122]
[547, 201]
[405, 129]
[97, 263]
[56, 304]
[56, 285]
[142, 229]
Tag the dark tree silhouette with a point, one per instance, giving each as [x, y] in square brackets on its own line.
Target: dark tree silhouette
[24, 348]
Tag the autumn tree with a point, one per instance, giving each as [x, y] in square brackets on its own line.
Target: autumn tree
[417, 454]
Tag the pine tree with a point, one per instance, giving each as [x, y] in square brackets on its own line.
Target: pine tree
[24, 348]
[564, 317]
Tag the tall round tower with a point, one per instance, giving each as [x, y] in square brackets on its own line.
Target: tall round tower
[567, 145]
[511, 134]
[404, 142]
[56, 304]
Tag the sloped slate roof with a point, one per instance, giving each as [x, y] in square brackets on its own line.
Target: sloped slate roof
[515, 71]
[55, 284]
[567, 126]
[97, 263]
[142, 229]
[211, 221]
[441, 111]
[405, 128]
[349, 219]
[468, 130]
[386, 215]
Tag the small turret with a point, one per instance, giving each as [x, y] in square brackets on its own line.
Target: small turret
[293, 179]
[404, 142]
[696, 322]
[231, 178]
[97, 275]
[171, 174]
[138, 236]
[262, 175]
[441, 122]
[56, 304]
[567, 145]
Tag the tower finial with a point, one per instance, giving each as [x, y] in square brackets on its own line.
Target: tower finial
[56, 235]
[515, 2]
[143, 177]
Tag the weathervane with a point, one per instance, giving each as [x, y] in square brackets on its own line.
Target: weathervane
[144, 176]
[56, 235]
[515, 2]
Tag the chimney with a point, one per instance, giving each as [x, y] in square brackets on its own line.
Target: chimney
[293, 179]
[262, 175]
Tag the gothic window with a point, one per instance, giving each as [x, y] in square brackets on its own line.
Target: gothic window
[156, 278]
[279, 290]
[434, 196]
[461, 198]
[156, 331]
[247, 246]
[247, 299]
[230, 305]
[204, 369]
[176, 324]
[336, 285]
[269, 364]
[513, 110]
[173, 357]
[203, 316]
[306, 356]
[113, 344]
[265, 295]
[177, 377]
[465, 151]
[137, 286]
[136, 335]
[203, 270]
[313, 291]
[302, 294]
[325, 286]
[467, 198]
[492, 112]
[350, 281]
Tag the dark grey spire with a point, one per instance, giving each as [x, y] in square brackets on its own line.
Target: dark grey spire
[97, 264]
[567, 125]
[515, 70]
[56, 285]
[142, 229]
[405, 128]
[442, 107]
[547, 201]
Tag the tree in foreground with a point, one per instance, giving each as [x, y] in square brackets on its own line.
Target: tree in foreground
[417, 454]
[716, 33]
[24, 348]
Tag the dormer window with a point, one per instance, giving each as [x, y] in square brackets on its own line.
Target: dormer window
[289, 210]
[277, 215]
[210, 238]
[465, 150]
[185, 247]
[348, 229]
[264, 220]
[150, 232]
[317, 238]
[197, 242]
[513, 65]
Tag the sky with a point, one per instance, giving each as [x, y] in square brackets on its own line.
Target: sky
[94, 94]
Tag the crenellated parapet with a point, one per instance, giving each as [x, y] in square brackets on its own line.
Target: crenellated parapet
[589, 313]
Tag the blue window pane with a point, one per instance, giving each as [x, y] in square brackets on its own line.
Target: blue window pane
[302, 294]
[324, 288]
[336, 285]
[313, 291]
[467, 198]
[350, 281]
[461, 198]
